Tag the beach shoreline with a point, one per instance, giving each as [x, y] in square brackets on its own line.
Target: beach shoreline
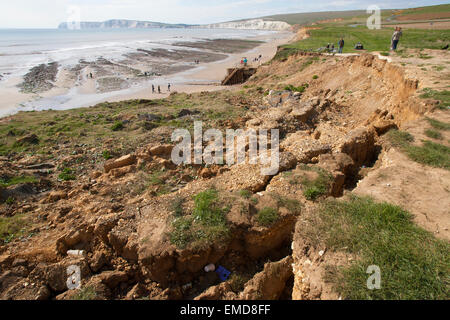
[124, 80]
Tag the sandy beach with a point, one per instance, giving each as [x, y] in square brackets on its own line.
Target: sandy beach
[90, 82]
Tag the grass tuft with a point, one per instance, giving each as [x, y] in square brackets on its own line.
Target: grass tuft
[17, 180]
[438, 124]
[12, 227]
[87, 293]
[206, 225]
[442, 96]
[429, 153]
[433, 134]
[414, 264]
[313, 189]
[267, 216]
[67, 174]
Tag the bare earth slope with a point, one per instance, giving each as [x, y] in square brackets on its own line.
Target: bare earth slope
[138, 217]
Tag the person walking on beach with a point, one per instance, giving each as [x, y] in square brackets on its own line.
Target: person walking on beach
[341, 45]
[168, 87]
[396, 37]
[153, 88]
[159, 89]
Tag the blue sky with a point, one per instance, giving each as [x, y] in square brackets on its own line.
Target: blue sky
[49, 13]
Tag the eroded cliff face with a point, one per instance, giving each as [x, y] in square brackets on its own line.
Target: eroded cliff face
[123, 24]
[255, 24]
[336, 124]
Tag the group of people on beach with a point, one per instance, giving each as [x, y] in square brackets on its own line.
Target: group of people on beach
[244, 61]
[258, 58]
[169, 86]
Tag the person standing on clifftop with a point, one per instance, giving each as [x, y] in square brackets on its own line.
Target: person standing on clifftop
[396, 37]
[341, 45]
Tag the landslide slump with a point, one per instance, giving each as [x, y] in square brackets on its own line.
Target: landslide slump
[148, 228]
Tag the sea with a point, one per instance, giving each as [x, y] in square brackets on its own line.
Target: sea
[20, 50]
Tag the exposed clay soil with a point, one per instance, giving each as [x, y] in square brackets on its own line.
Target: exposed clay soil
[338, 123]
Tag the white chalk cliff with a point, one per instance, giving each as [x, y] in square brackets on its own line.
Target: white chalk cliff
[253, 24]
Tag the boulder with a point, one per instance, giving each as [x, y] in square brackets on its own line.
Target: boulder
[161, 150]
[303, 147]
[56, 196]
[98, 260]
[124, 161]
[113, 278]
[55, 275]
[270, 283]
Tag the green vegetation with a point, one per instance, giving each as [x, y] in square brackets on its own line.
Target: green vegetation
[413, 263]
[67, 174]
[445, 8]
[430, 153]
[433, 134]
[92, 126]
[424, 56]
[357, 16]
[267, 216]
[158, 178]
[400, 138]
[246, 194]
[313, 189]
[373, 40]
[87, 293]
[206, 224]
[438, 124]
[177, 207]
[17, 180]
[296, 89]
[310, 17]
[10, 200]
[118, 125]
[106, 155]
[292, 205]
[315, 77]
[442, 96]
[12, 227]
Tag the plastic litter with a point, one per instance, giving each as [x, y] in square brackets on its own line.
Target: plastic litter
[76, 253]
[210, 268]
[223, 273]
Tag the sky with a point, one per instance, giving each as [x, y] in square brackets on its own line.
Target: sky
[49, 13]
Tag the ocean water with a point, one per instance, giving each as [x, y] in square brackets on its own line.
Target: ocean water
[21, 50]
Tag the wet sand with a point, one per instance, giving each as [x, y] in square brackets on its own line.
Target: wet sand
[209, 75]
[132, 77]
